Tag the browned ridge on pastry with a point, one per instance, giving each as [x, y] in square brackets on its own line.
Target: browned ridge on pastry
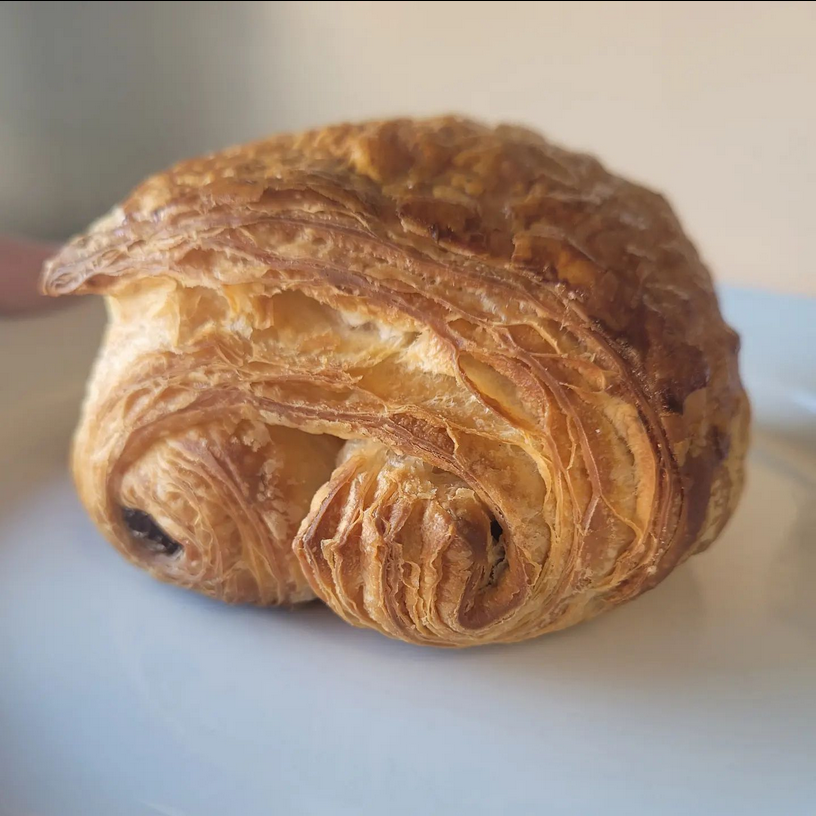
[462, 385]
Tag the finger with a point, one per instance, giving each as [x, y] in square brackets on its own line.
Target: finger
[20, 264]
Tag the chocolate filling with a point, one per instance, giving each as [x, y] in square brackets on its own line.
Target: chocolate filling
[143, 526]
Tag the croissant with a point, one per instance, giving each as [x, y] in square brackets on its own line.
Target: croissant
[460, 384]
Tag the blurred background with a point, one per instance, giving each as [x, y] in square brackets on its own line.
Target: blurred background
[712, 103]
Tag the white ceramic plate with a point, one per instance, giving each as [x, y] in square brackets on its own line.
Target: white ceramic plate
[122, 696]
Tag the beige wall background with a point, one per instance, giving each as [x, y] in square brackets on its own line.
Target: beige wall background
[712, 103]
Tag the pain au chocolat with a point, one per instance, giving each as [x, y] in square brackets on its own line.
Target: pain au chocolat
[462, 385]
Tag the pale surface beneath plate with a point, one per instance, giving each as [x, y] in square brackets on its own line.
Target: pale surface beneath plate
[119, 695]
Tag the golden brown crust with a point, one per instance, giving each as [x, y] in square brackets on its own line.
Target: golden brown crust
[528, 350]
